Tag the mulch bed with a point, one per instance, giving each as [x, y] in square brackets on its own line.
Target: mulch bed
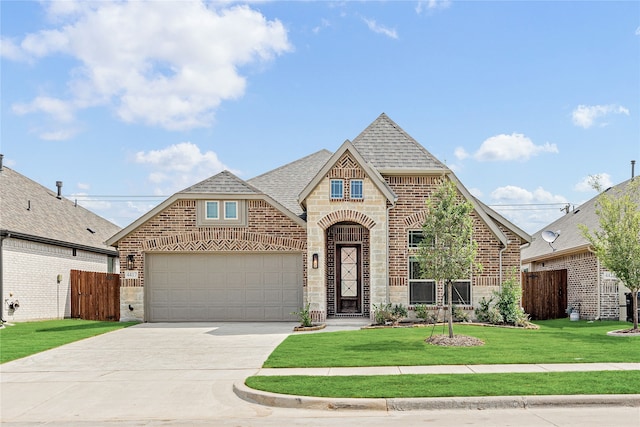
[456, 341]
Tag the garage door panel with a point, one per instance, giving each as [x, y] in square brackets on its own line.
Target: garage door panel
[217, 287]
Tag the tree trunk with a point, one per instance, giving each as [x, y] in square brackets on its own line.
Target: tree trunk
[449, 296]
[634, 296]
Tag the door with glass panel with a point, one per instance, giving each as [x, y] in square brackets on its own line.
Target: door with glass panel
[348, 279]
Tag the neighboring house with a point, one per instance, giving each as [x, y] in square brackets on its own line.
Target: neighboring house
[42, 237]
[590, 287]
[338, 231]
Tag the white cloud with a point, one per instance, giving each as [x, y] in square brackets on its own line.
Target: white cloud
[380, 29]
[460, 153]
[324, 23]
[529, 210]
[59, 110]
[431, 5]
[179, 166]
[585, 116]
[511, 147]
[638, 31]
[586, 184]
[163, 63]
[83, 186]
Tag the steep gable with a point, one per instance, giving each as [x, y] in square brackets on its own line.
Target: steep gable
[388, 147]
[223, 183]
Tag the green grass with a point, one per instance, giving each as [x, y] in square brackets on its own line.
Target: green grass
[448, 385]
[557, 341]
[25, 339]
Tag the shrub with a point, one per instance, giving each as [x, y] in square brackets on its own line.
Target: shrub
[509, 302]
[384, 313]
[427, 316]
[459, 315]
[304, 316]
[482, 312]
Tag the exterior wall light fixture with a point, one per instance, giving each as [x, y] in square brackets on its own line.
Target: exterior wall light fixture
[130, 262]
[314, 261]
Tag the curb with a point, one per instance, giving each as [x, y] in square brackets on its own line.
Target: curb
[436, 403]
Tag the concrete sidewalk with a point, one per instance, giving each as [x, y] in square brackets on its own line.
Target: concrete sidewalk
[453, 369]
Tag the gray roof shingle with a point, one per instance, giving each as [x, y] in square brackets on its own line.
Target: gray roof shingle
[387, 146]
[29, 208]
[285, 183]
[570, 235]
[224, 183]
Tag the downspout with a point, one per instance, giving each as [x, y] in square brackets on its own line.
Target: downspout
[3, 235]
[500, 265]
[387, 297]
[598, 290]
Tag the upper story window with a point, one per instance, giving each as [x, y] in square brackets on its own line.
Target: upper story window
[356, 188]
[337, 189]
[212, 211]
[221, 213]
[415, 237]
[231, 210]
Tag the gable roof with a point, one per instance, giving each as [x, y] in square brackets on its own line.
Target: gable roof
[570, 239]
[224, 184]
[31, 211]
[375, 177]
[285, 183]
[389, 148]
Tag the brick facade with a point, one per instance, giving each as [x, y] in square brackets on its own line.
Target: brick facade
[175, 229]
[30, 273]
[590, 287]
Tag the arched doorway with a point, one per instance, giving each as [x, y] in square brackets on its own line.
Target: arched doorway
[348, 285]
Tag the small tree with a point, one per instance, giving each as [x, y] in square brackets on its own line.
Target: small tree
[617, 243]
[447, 251]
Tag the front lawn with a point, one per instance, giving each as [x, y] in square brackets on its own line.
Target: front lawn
[25, 339]
[557, 341]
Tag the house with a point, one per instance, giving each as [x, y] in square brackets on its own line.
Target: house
[43, 236]
[338, 231]
[591, 289]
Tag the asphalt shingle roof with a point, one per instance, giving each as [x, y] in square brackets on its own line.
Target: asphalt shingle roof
[285, 183]
[225, 182]
[29, 208]
[570, 235]
[387, 146]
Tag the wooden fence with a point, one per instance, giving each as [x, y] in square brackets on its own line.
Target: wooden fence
[95, 296]
[544, 294]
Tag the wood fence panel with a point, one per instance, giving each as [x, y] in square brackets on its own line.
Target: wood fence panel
[544, 294]
[95, 296]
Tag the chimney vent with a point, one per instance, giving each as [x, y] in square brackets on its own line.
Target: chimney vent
[633, 169]
[1, 157]
[59, 185]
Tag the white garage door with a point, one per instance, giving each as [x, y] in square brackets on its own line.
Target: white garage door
[223, 287]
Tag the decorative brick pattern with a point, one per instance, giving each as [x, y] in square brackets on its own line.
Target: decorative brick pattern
[346, 216]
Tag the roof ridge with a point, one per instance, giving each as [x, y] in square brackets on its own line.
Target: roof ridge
[290, 163]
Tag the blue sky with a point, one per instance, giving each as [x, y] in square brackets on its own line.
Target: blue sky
[127, 102]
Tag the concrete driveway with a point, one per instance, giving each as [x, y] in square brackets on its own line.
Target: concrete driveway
[145, 372]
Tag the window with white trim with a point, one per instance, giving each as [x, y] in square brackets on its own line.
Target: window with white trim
[337, 189]
[356, 189]
[421, 291]
[212, 210]
[231, 210]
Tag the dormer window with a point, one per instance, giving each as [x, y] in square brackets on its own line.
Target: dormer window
[337, 189]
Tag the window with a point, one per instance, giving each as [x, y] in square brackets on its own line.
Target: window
[415, 237]
[356, 189]
[337, 189]
[230, 210]
[461, 292]
[421, 291]
[111, 264]
[212, 210]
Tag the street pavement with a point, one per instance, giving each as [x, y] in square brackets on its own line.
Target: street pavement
[192, 374]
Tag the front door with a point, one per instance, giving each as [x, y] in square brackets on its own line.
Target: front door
[348, 278]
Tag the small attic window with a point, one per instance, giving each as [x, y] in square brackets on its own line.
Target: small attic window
[90, 230]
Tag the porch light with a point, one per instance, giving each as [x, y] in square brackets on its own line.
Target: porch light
[314, 261]
[130, 262]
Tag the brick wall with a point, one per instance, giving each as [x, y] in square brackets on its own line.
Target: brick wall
[409, 213]
[30, 272]
[175, 229]
[583, 287]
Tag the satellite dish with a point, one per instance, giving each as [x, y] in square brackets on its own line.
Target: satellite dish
[550, 237]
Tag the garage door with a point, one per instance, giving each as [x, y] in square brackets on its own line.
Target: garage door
[223, 287]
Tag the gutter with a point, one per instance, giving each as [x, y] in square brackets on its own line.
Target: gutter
[38, 239]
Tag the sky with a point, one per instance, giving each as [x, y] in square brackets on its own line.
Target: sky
[128, 102]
